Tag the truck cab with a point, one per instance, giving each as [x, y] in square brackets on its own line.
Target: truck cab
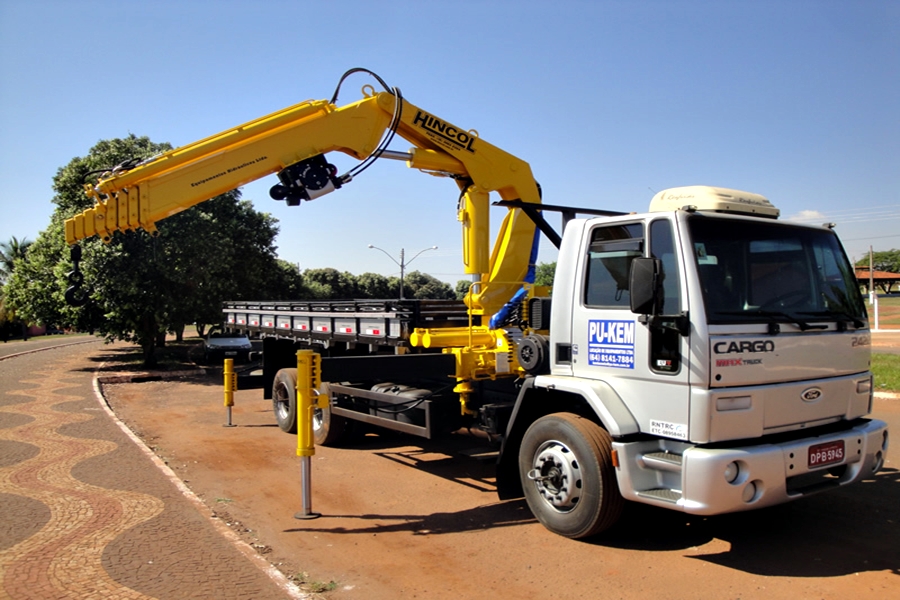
[725, 352]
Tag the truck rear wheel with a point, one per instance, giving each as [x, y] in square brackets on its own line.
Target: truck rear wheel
[565, 463]
[284, 399]
[329, 429]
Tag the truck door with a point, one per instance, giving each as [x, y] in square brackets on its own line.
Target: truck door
[644, 365]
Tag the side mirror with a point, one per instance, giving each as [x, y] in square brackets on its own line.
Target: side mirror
[644, 285]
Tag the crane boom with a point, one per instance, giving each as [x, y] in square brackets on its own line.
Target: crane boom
[292, 143]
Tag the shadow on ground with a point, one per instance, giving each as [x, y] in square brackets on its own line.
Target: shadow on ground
[845, 531]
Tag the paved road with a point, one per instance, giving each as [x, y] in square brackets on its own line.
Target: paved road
[33, 344]
[85, 511]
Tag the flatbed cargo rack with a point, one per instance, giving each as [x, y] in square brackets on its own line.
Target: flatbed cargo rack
[378, 322]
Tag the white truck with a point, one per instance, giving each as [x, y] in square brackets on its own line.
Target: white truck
[703, 357]
[730, 370]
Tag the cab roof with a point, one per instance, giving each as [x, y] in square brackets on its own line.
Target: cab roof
[704, 197]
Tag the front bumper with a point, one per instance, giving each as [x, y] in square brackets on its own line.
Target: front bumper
[761, 474]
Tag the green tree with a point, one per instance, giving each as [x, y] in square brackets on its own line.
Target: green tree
[287, 282]
[142, 286]
[425, 287]
[6, 318]
[35, 290]
[378, 287]
[331, 284]
[237, 244]
[885, 260]
[10, 252]
[462, 288]
[545, 273]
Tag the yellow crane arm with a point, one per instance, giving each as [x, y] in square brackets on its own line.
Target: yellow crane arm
[292, 143]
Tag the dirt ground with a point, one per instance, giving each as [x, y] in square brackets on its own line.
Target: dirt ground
[886, 341]
[407, 518]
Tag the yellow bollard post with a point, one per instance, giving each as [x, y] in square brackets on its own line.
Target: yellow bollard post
[230, 386]
[308, 381]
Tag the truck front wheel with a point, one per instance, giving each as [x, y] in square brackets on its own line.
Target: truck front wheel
[565, 463]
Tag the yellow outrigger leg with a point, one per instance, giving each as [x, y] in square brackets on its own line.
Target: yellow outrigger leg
[309, 379]
[230, 387]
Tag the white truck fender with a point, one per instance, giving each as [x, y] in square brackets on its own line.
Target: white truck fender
[608, 405]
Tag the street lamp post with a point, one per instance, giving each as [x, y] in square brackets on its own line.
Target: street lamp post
[403, 263]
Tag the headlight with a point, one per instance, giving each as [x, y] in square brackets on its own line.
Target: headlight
[731, 472]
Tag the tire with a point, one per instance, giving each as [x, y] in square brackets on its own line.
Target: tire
[329, 429]
[284, 399]
[565, 463]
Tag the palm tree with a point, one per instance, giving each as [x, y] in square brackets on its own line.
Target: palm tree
[9, 252]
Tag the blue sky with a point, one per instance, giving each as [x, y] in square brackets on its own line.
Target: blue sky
[608, 102]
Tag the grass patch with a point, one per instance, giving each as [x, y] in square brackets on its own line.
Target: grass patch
[311, 585]
[888, 312]
[886, 368]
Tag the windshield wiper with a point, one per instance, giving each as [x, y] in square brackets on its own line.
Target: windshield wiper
[836, 314]
[803, 325]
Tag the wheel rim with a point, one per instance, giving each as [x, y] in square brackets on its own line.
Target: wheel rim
[318, 419]
[282, 403]
[556, 475]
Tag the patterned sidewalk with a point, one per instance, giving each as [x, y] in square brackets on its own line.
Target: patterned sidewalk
[85, 511]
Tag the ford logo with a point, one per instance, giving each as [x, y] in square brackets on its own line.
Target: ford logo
[811, 395]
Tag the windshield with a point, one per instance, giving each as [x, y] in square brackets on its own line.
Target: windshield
[760, 271]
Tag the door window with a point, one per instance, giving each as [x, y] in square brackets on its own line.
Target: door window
[611, 251]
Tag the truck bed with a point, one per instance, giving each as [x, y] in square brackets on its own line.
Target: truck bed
[378, 322]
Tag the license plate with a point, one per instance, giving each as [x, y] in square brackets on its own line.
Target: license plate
[232, 353]
[826, 454]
